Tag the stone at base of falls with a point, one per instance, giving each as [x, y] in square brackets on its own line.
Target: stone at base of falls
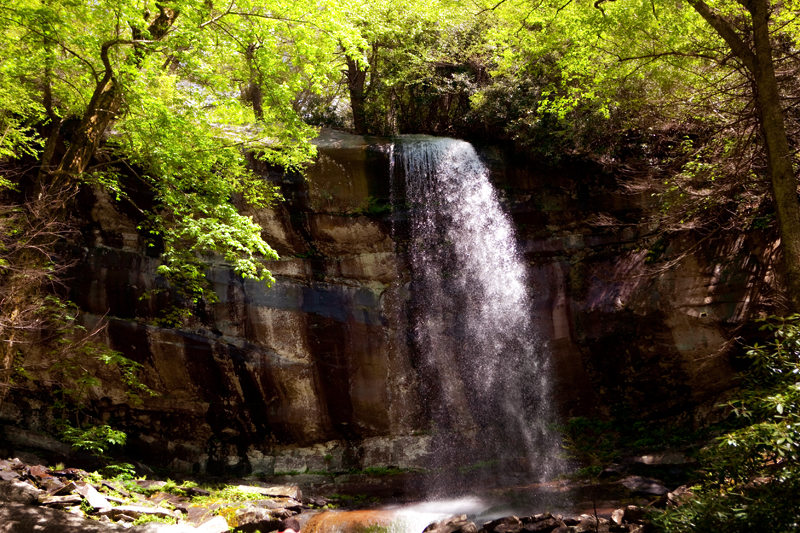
[508, 524]
[592, 523]
[455, 524]
[544, 526]
[645, 486]
[676, 498]
[632, 519]
[633, 514]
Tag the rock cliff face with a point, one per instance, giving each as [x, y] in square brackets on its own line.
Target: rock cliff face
[316, 373]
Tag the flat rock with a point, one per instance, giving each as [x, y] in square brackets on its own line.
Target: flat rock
[95, 499]
[50, 484]
[197, 513]
[288, 491]
[63, 490]
[278, 503]
[135, 511]
[8, 475]
[150, 483]
[61, 501]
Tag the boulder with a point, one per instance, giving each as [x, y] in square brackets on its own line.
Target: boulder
[644, 486]
[251, 519]
[15, 491]
[590, 523]
[634, 514]
[618, 516]
[23, 438]
[543, 526]
[676, 498]
[454, 524]
[504, 525]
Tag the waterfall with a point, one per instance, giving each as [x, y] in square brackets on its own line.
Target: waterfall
[484, 371]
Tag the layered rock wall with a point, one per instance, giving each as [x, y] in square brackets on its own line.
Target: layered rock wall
[316, 373]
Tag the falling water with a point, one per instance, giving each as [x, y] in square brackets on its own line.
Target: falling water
[483, 367]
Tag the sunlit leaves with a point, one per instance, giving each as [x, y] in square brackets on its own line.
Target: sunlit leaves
[184, 125]
[753, 471]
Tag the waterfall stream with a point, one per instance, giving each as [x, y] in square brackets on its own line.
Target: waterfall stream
[484, 369]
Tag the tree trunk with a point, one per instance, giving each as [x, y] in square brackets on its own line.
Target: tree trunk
[356, 78]
[779, 154]
[759, 62]
[102, 109]
[106, 101]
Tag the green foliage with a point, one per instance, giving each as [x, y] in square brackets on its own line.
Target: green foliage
[754, 471]
[149, 518]
[79, 359]
[591, 441]
[120, 471]
[191, 97]
[596, 443]
[373, 207]
[95, 439]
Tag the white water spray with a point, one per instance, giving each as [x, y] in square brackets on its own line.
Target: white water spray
[486, 369]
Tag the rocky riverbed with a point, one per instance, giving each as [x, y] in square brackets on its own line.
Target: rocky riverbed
[34, 497]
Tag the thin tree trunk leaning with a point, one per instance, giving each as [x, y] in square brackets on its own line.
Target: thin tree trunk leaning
[759, 62]
[106, 101]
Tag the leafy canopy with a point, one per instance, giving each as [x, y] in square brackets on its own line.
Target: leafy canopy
[182, 126]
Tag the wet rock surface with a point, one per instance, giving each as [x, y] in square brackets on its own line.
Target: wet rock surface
[316, 374]
[545, 523]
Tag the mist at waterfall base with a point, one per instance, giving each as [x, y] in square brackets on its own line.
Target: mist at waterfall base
[484, 372]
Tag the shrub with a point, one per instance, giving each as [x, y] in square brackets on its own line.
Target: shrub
[753, 472]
